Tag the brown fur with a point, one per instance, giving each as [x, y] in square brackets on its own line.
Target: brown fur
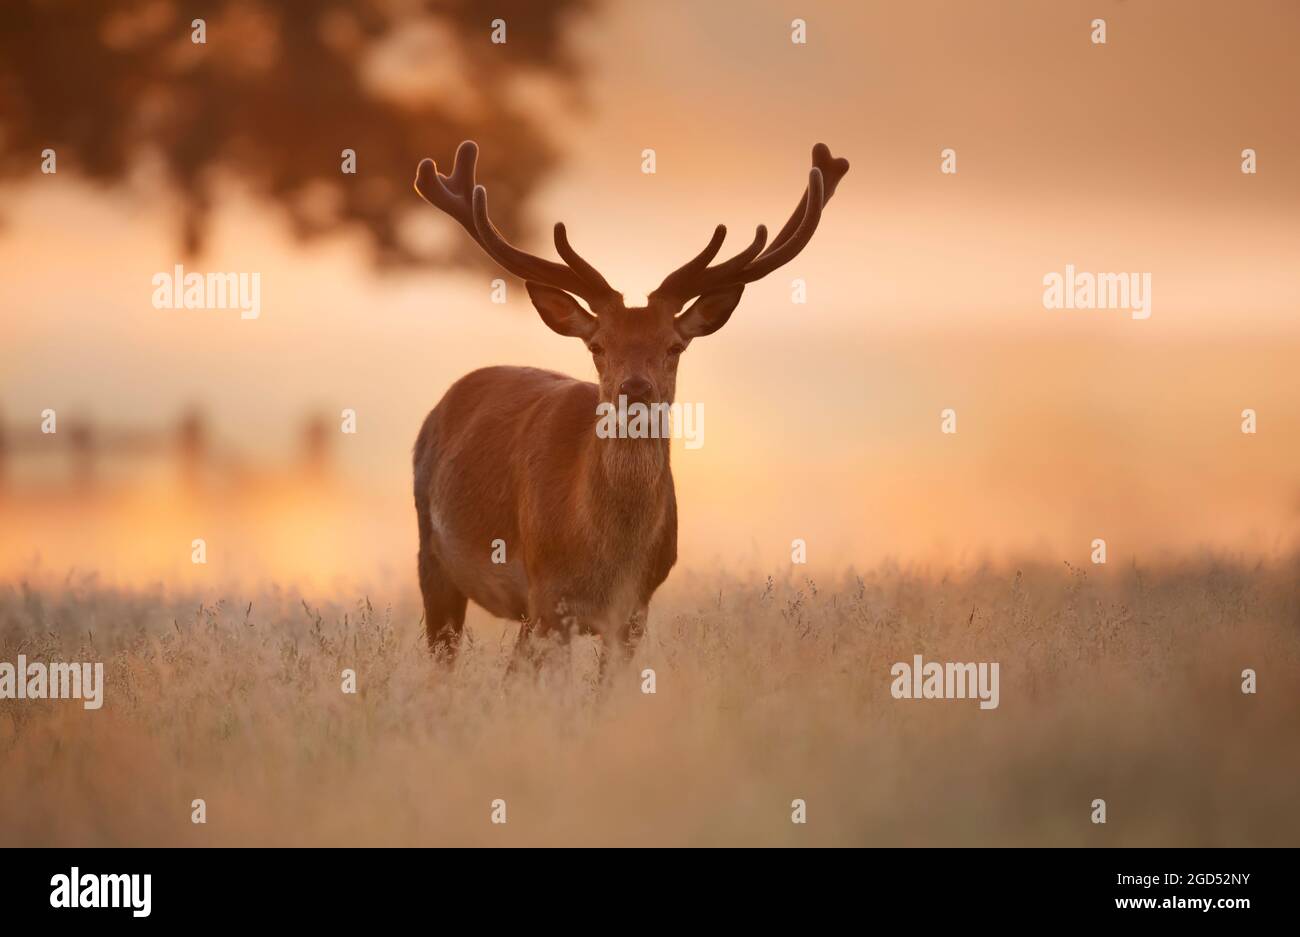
[589, 524]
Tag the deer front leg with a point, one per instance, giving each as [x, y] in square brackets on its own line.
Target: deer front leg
[634, 631]
[523, 649]
[546, 620]
[628, 637]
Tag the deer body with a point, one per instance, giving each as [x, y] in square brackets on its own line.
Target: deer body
[588, 525]
[522, 505]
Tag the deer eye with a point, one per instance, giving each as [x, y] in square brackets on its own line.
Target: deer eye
[676, 349]
[595, 349]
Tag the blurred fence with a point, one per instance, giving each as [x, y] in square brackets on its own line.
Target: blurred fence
[90, 451]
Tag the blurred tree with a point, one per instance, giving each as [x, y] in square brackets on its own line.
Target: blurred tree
[275, 95]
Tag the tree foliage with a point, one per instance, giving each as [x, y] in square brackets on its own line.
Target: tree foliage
[278, 90]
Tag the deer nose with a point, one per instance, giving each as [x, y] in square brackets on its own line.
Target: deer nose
[636, 390]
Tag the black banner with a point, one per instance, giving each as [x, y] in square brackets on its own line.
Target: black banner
[148, 888]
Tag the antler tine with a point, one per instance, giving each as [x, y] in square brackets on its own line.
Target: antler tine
[755, 262]
[463, 168]
[726, 271]
[680, 278]
[451, 193]
[463, 199]
[575, 260]
[522, 264]
[696, 277]
[783, 252]
[446, 192]
[833, 171]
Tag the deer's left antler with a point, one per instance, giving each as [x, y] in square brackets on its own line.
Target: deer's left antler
[696, 277]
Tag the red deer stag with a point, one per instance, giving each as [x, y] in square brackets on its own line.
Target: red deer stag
[512, 454]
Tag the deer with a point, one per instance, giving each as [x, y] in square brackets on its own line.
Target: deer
[521, 504]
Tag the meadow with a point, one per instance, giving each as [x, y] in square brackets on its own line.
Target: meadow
[1118, 683]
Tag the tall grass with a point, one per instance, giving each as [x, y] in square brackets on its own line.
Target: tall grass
[1123, 685]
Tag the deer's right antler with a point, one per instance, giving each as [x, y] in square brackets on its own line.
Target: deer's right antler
[459, 196]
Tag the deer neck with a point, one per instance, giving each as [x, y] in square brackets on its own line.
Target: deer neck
[625, 476]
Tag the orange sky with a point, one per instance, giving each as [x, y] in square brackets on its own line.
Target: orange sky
[924, 292]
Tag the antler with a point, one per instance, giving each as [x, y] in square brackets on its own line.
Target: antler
[459, 196]
[696, 277]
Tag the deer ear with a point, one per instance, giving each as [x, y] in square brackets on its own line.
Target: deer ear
[709, 313]
[561, 312]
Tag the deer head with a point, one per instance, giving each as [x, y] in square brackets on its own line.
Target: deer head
[635, 349]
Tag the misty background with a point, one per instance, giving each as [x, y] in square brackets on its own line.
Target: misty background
[924, 290]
